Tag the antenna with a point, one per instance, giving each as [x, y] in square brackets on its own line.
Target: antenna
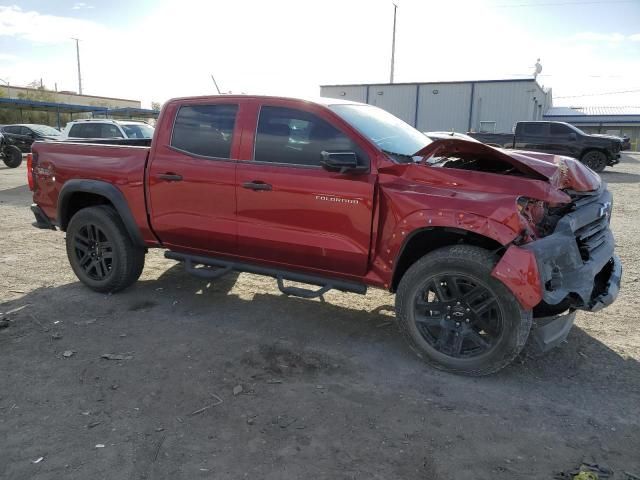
[216, 84]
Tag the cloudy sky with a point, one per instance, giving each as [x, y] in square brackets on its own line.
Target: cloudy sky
[155, 50]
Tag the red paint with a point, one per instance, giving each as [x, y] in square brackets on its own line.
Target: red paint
[518, 270]
[298, 224]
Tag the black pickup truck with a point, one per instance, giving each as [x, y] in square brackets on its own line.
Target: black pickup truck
[558, 138]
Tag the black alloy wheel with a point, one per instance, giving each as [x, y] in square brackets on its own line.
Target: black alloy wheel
[458, 316]
[94, 251]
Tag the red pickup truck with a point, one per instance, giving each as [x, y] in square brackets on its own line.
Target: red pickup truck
[478, 243]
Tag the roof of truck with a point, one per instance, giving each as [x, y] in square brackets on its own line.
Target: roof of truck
[319, 100]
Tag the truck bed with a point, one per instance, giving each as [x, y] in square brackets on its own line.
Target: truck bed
[120, 164]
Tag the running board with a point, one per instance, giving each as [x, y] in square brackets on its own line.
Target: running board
[213, 268]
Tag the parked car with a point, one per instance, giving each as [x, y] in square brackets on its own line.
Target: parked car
[558, 138]
[475, 241]
[105, 128]
[24, 134]
[9, 154]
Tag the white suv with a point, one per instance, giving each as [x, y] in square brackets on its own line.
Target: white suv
[104, 128]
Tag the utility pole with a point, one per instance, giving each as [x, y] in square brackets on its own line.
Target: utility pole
[393, 42]
[78, 56]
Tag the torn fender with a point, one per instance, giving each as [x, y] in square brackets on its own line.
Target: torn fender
[518, 270]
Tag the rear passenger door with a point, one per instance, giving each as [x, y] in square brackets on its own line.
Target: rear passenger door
[533, 136]
[192, 178]
[293, 212]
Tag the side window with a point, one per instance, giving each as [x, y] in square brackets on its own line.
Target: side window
[287, 135]
[533, 129]
[25, 131]
[109, 130]
[12, 130]
[557, 129]
[205, 130]
[77, 130]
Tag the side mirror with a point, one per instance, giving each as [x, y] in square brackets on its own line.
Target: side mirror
[573, 137]
[343, 162]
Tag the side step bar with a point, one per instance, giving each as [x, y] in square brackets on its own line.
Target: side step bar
[216, 268]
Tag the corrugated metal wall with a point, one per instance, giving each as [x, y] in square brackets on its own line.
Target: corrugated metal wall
[354, 93]
[399, 100]
[447, 106]
[444, 107]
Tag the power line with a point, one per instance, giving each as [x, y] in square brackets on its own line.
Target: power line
[560, 4]
[599, 94]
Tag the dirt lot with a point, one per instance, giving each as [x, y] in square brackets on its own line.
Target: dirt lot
[328, 388]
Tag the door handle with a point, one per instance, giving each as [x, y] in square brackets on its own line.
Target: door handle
[256, 185]
[170, 177]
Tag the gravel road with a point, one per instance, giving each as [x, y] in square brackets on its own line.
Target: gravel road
[232, 379]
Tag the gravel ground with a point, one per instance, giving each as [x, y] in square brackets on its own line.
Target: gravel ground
[232, 380]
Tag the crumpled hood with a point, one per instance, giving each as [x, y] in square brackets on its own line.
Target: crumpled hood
[560, 171]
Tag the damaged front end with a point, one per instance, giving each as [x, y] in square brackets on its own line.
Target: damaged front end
[573, 262]
[576, 261]
[563, 260]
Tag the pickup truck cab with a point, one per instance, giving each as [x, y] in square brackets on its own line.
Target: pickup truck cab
[558, 138]
[475, 241]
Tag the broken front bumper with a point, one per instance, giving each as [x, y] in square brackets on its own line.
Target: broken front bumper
[575, 265]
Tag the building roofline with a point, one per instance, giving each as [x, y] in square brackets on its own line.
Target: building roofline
[12, 87]
[584, 115]
[384, 84]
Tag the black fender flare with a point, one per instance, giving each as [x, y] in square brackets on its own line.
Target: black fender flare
[103, 189]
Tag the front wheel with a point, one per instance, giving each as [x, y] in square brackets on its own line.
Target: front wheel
[12, 156]
[100, 251]
[456, 316]
[595, 160]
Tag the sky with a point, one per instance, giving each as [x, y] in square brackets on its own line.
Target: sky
[156, 50]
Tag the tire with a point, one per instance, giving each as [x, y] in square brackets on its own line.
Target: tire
[13, 156]
[595, 160]
[492, 327]
[100, 251]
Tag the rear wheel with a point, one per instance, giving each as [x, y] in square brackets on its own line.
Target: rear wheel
[595, 160]
[100, 251]
[12, 156]
[456, 316]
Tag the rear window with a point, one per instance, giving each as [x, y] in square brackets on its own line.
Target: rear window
[205, 130]
[137, 130]
[95, 130]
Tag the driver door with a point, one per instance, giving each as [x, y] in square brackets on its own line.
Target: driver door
[290, 210]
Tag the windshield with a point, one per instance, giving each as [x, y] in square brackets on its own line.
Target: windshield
[392, 135]
[45, 130]
[574, 128]
[137, 130]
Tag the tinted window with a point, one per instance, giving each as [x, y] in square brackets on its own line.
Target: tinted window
[205, 130]
[25, 131]
[533, 129]
[287, 135]
[109, 130]
[14, 130]
[78, 131]
[134, 130]
[559, 129]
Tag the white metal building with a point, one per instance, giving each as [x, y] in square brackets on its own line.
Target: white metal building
[480, 105]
